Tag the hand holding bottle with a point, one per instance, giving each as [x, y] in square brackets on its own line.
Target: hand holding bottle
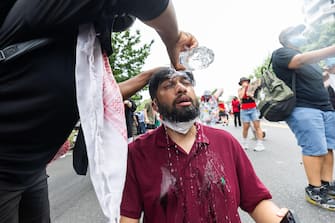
[197, 58]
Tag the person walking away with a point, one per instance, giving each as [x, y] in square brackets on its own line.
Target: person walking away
[149, 116]
[185, 171]
[130, 108]
[38, 89]
[236, 106]
[141, 122]
[313, 119]
[249, 113]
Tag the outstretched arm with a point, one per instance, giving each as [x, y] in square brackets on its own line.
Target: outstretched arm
[175, 41]
[128, 220]
[136, 83]
[311, 57]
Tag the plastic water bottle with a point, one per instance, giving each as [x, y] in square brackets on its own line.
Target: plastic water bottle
[196, 58]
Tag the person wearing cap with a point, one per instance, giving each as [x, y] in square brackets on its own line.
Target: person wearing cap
[40, 97]
[249, 114]
[185, 171]
[313, 119]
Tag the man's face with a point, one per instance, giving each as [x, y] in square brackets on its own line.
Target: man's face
[176, 100]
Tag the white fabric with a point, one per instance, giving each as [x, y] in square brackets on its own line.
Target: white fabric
[332, 80]
[180, 127]
[102, 118]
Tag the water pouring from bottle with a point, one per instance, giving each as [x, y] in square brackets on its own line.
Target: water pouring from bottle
[197, 58]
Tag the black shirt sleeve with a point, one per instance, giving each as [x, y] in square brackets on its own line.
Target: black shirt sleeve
[5, 7]
[29, 19]
[283, 56]
[144, 9]
[280, 61]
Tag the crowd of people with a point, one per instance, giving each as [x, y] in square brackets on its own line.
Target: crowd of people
[166, 160]
[140, 121]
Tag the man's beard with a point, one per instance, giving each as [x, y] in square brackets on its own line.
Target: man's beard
[184, 114]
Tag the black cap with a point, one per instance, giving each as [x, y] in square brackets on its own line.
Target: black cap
[243, 79]
[162, 75]
[290, 31]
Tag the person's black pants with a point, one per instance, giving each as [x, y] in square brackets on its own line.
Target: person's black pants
[29, 205]
[237, 118]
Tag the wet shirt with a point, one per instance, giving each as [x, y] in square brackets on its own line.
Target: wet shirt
[37, 91]
[207, 185]
[310, 91]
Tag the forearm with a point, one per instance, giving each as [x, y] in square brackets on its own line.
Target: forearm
[241, 92]
[128, 220]
[166, 26]
[311, 57]
[136, 83]
[266, 212]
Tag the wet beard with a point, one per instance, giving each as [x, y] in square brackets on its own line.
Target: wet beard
[179, 115]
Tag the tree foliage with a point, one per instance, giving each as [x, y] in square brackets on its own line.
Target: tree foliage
[258, 70]
[129, 55]
[320, 36]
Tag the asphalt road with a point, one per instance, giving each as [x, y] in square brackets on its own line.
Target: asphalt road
[73, 200]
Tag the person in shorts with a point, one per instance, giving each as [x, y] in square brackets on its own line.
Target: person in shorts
[313, 119]
[249, 114]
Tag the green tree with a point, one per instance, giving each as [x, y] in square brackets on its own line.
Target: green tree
[320, 36]
[129, 55]
[258, 70]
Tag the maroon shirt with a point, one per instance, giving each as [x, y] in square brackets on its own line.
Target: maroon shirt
[207, 185]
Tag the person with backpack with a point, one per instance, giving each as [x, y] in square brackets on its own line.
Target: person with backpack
[44, 47]
[249, 113]
[313, 118]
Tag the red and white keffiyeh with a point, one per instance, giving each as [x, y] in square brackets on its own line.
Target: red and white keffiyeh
[103, 122]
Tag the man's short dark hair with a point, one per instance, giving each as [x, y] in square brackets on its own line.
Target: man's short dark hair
[162, 75]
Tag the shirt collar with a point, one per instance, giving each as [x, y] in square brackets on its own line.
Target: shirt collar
[161, 140]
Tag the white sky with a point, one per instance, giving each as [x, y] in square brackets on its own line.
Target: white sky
[241, 33]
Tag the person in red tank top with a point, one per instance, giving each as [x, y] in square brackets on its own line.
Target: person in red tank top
[249, 113]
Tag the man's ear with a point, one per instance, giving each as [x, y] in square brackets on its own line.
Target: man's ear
[154, 104]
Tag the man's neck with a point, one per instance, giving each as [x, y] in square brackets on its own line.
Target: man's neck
[185, 141]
